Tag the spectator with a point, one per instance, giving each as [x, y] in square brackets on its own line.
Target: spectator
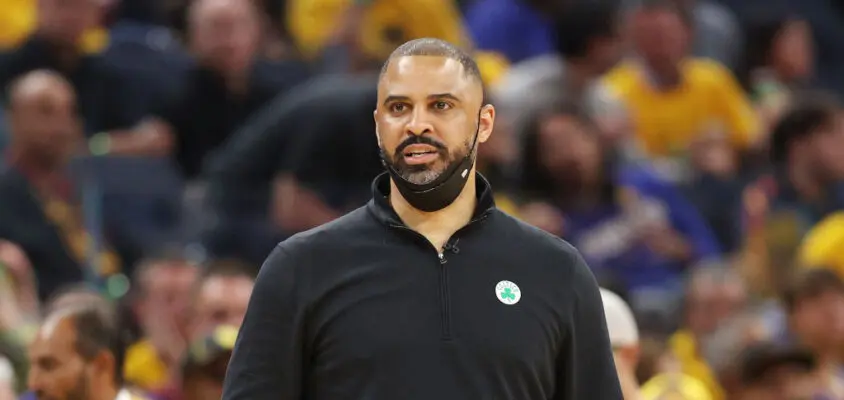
[78, 353]
[40, 208]
[587, 45]
[220, 296]
[778, 59]
[814, 302]
[517, 29]
[227, 84]
[713, 295]
[773, 372]
[821, 247]
[18, 19]
[104, 100]
[628, 224]
[673, 99]
[804, 186]
[161, 301]
[368, 31]
[204, 367]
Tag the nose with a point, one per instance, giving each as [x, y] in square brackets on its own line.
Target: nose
[419, 123]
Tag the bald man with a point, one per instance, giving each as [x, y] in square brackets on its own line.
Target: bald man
[39, 204]
[77, 354]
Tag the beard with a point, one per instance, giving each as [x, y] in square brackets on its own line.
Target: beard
[424, 174]
[81, 391]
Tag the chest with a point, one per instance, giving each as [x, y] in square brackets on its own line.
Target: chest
[485, 308]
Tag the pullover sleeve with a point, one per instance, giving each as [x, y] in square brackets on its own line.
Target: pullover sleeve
[267, 362]
[585, 365]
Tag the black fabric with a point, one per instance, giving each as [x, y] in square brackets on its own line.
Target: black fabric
[204, 114]
[22, 221]
[103, 94]
[366, 308]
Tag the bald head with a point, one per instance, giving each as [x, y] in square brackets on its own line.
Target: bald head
[42, 119]
[38, 85]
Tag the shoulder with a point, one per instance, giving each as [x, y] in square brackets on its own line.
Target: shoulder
[703, 70]
[539, 244]
[340, 233]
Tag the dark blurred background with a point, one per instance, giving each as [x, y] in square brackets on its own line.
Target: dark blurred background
[154, 152]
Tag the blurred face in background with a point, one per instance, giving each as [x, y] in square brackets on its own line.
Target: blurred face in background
[826, 149]
[570, 149]
[221, 300]
[67, 20]
[785, 382]
[660, 37]
[225, 34]
[43, 121]
[429, 111]
[166, 295]
[206, 382]
[792, 54]
[818, 321]
[710, 302]
[57, 371]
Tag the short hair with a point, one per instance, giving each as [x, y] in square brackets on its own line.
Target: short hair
[97, 329]
[810, 283]
[84, 290]
[808, 113]
[168, 255]
[578, 25]
[437, 48]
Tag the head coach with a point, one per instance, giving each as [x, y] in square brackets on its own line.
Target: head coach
[428, 291]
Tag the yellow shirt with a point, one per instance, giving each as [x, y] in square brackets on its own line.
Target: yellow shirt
[822, 246]
[684, 347]
[667, 122]
[143, 368]
[17, 21]
[313, 22]
[684, 387]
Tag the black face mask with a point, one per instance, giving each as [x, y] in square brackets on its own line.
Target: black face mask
[441, 192]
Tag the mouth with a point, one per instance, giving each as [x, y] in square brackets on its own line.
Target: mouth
[420, 154]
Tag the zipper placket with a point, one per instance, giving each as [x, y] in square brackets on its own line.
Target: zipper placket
[444, 293]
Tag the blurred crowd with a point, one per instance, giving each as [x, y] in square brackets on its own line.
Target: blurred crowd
[155, 151]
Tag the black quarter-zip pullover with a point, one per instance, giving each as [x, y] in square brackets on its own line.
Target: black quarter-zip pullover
[366, 308]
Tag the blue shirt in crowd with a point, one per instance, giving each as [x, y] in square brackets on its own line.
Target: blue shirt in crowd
[509, 27]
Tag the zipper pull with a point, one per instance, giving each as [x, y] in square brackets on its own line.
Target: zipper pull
[442, 258]
[453, 246]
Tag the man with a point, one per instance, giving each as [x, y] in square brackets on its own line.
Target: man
[428, 291]
[770, 371]
[162, 295]
[57, 43]
[204, 366]
[227, 83]
[588, 45]
[805, 185]
[40, 204]
[814, 302]
[77, 354]
[675, 100]
[221, 296]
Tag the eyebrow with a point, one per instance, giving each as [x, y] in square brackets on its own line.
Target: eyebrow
[436, 96]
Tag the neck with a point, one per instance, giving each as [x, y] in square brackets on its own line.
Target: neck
[806, 185]
[437, 226]
[35, 169]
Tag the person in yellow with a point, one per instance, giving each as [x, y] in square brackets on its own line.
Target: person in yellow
[674, 99]
[377, 27]
[18, 20]
[823, 246]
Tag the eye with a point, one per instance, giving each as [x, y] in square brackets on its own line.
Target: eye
[442, 105]
[398, 107]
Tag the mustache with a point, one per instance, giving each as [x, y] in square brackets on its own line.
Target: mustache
[418, 139]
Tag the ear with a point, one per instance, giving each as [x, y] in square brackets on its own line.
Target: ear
[377, 132]
[104, 364]
[486, 122]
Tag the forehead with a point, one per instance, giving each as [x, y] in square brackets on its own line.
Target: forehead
[56, 337]
[225, 286]
[421, 76]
